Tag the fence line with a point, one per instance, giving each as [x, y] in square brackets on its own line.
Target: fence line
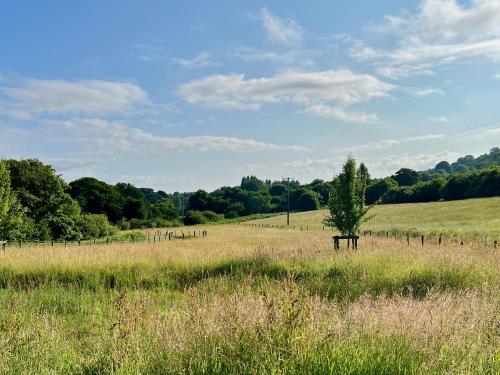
[408, 235]
[157, 236]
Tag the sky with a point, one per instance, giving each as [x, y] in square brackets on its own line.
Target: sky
[183, 95]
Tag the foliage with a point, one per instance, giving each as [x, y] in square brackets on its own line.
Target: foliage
[406, 177]
[378, 188]
[347, 199]
[14, 223]
[95, 226]
[44, 195]
[97, 197]
[194, 217]
[468, 184]
[308, 201]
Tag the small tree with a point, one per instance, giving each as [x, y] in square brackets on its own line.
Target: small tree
[347, 199]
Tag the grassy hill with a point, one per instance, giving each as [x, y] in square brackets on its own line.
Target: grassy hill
[464, 218]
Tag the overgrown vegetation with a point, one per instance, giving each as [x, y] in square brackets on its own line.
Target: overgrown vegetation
[250, 301]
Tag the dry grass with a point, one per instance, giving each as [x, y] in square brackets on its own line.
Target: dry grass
[250, 300]
[464, 219]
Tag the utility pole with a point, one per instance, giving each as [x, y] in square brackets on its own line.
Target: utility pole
[288, 199]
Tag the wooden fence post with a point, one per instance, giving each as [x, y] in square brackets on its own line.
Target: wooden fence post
[408, 238]
[439, 242]
[422, 240]
[494, 244]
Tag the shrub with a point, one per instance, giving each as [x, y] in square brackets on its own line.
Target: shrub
[212, 216]
[308, 201]
[95, 226]
[194, 217]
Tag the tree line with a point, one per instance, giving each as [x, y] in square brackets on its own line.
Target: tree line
[36, 203]
[468, 177]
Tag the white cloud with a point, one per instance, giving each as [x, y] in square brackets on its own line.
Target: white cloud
[282, 31]
[290, 57]
[57, 97]
[326, 111]
[428, 92]
[426, 137]
[342, 87]
[203, 60]
[441, 32]
[402, 71]
[111, 139]
[496, 76]
[441, 119]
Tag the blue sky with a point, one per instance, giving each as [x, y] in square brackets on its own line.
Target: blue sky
[196, 94]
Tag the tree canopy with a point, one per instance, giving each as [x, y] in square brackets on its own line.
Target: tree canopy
[347, 199]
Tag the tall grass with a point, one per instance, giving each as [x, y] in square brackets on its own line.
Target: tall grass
[250, 301]
[464, 219]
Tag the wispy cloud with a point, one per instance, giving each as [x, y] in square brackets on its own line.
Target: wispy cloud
[441, 119]
[308, 89]
[326, 111]
[111, 139]
[202, 60]
[296, 57]
[496, 76]
[428, 92]
[281, 31]
[57, 97]
[425, 137]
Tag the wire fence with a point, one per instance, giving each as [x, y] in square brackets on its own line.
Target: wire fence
[156, 236]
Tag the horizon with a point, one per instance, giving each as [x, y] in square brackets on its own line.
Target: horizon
[181, 97]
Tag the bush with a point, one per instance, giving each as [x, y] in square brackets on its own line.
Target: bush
[212, 216]
[194, 217]
[376, 190]
[123, 224]
[308, 201]
[95, 226]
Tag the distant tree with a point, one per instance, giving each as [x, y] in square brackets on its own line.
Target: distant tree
[406, 177]
[194, 217]
[376, 190]
[443, 166]
[97, 197]
[347, 199]
[322, 188]
[251, 183]
[164, 209]
[14, 224]
[199, 201]
[135, 209]
[308, 201]
[277, 189]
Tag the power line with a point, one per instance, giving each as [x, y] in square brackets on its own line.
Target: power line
[449, 137]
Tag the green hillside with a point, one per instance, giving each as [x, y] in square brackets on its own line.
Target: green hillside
[465, 218]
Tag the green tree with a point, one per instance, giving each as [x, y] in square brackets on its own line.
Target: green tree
[97, 197]
[14, 224]
[406, 177]
[44, 195]
[347, 199]
[308, 201]
[377, 189]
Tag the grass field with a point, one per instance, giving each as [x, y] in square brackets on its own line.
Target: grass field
[249, 300]
[471, 218]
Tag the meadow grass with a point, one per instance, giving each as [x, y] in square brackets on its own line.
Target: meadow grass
[464, 219]
[248, 300]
